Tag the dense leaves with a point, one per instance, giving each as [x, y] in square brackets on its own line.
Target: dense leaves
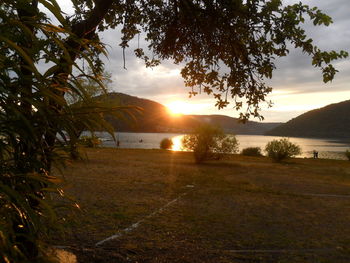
[35, 67]
[227, 48]
[209, 143]
[166, 144]
[282, 149]
[252, 151]
[347, 154]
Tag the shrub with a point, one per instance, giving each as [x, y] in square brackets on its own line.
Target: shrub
[90, 141]
[347, 154]
[166, 144]
[281, 149]
[252, 151]
[209, 142]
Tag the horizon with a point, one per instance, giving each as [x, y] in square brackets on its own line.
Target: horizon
[175, 113]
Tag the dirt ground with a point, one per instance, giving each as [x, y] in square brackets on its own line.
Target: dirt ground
[241, 209]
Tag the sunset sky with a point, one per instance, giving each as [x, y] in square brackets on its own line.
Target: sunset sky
[297, 85]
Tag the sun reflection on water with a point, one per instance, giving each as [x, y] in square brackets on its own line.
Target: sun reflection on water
[177, 143]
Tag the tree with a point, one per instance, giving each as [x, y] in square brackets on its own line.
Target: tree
[166, 144]
[89, 108]
[282, 149]
[347, 154]
[41, 60]
[32, 112]
[251, 151]
[209, 143]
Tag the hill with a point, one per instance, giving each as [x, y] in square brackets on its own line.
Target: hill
[233, 125]
[332, 121]
[155, 117]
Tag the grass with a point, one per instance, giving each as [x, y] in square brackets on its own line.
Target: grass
[242, 203]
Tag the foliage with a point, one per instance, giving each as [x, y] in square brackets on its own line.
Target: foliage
[33, 112]
[89, 110]
[209, 143]
[89, 88]
[166, 144]
[347, 154]
[281, 149]
[243, 36]
[90, 141]
[252, 151]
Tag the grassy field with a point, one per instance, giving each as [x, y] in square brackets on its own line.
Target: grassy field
[242, 209]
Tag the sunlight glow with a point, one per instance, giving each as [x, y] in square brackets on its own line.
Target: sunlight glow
[177, 145]
[178, 107]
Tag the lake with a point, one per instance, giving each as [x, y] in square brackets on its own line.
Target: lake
[327, 148]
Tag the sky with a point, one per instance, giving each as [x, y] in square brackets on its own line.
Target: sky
[297, 85]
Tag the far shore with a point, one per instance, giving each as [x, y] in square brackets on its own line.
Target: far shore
[328, 148]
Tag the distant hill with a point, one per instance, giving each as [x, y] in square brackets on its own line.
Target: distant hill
[332, 121]
[155, 118]
[231, 124]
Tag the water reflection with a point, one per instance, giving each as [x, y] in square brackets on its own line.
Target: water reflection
[327, 148]
[177, 143]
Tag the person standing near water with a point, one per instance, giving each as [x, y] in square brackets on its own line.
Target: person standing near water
[118, 142]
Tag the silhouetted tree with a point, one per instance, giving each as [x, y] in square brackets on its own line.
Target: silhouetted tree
[282, 149]
[166, 144]
[209, 143]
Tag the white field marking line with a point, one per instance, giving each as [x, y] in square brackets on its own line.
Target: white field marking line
[249, 251]
[136, 225]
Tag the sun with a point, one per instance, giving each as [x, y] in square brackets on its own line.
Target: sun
[177, 108]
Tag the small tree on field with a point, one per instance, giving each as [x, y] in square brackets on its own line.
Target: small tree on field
[166, 144]
[281, 149]
[209, 142]
[347, 154]
[252, 151]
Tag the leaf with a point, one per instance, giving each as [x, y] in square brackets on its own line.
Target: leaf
[55, 9]
[22, 53]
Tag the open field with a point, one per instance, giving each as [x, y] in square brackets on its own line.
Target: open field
[243, 209]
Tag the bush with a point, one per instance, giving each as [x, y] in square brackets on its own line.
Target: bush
[252, 151]
[90, 141]
[281, 149]
[209, 142]
[347, 154]
[166, 144]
